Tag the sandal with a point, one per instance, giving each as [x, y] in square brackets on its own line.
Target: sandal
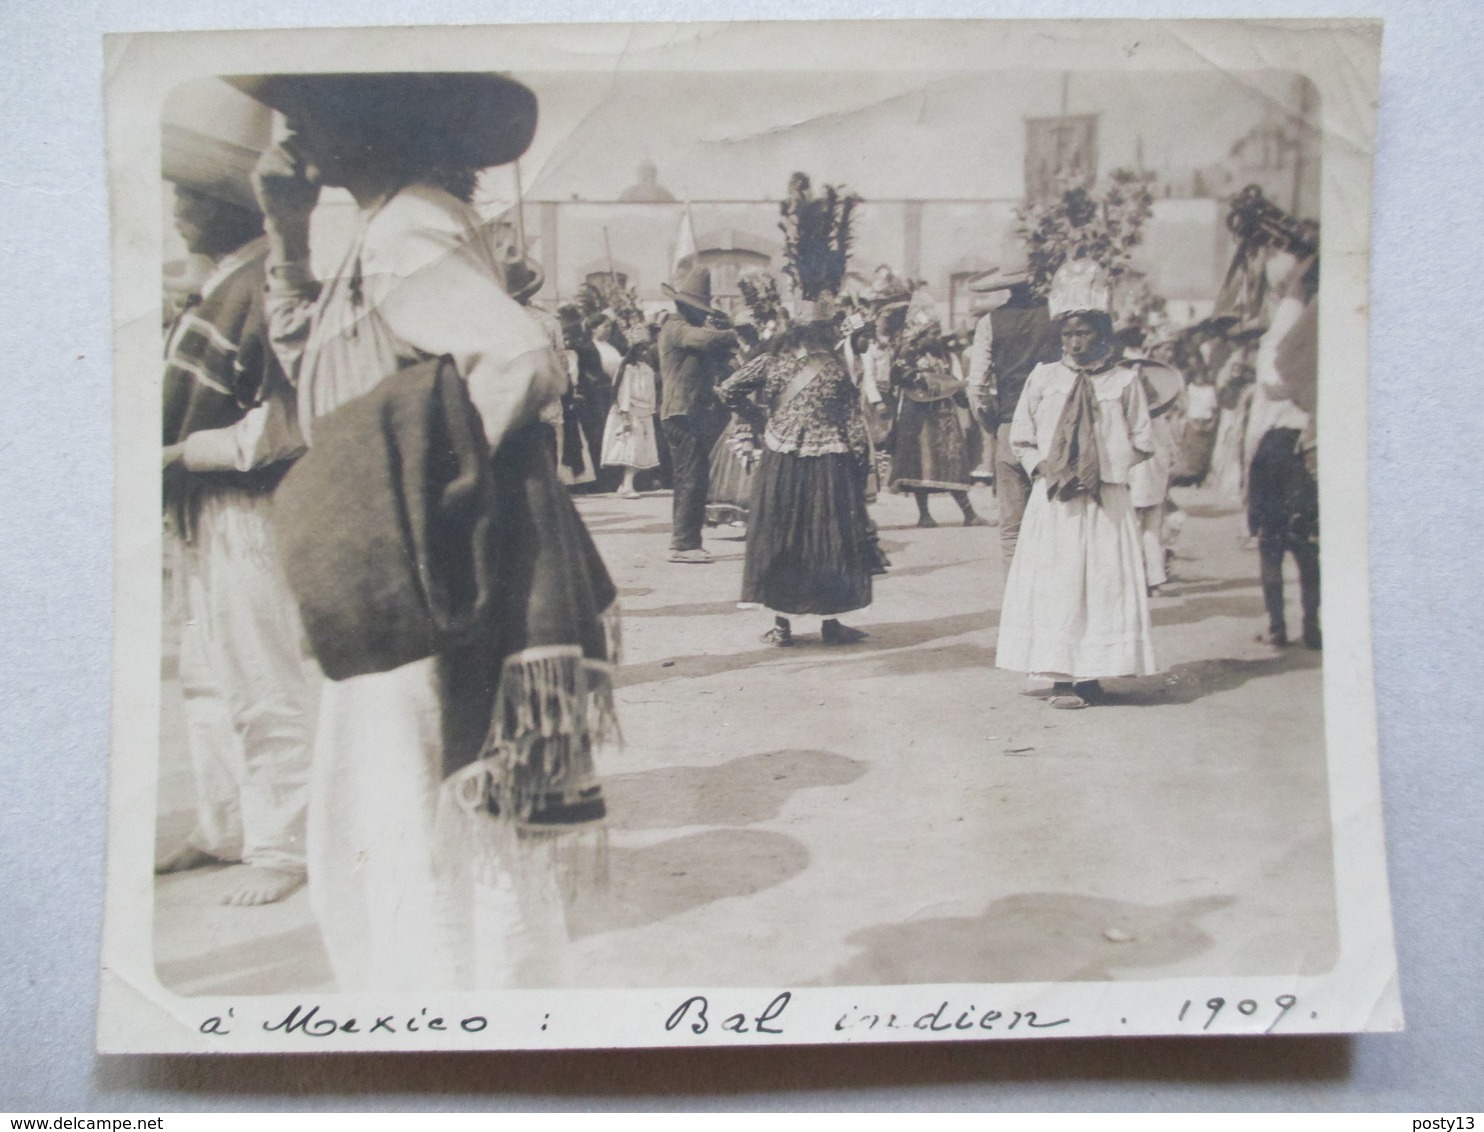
[1066, 697]
[1068, 702]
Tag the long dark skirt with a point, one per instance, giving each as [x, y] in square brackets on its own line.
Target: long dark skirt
[730, 488]
[808, 535]
[929, 451]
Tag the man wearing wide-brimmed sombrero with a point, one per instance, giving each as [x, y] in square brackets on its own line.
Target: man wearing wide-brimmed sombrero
[694, 356]
[458, 607]
[1009, 341]
[248, 695]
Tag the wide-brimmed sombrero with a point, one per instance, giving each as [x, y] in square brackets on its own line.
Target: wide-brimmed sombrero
[694, 291]
[1217, 325]
[211, 136]
[1000, 279]
[481, 119]
[1162, 383]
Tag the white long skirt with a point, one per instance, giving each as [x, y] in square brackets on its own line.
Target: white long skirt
[1076, 605]
[632, 447]
[392, 913]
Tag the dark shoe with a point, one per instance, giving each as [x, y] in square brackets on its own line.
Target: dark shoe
[1090, 690]
[783, 638]
[1313, 639]
[835, 633]
[926, 521]
[1278, 638]
[975, 520]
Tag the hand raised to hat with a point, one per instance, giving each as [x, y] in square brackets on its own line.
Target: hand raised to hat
[286, 196]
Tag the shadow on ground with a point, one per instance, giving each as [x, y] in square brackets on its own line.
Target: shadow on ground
[929, 568]
[1197, 679]
[686, 609]
[1029, 937]
[742, 791]
[1197, 609]
[884, 635]
[276, 964]
[655, 882]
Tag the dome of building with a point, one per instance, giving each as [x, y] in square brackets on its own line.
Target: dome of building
[648, 187]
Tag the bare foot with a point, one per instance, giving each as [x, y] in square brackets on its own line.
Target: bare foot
[262, 886]
[184, 859]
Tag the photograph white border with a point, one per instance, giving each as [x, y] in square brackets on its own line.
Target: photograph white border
[136, 1014]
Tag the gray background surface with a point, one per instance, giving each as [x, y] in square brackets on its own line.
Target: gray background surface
[55, 551]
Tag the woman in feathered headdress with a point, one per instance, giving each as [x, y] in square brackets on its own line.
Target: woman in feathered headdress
[1076, 608]
[810, 546]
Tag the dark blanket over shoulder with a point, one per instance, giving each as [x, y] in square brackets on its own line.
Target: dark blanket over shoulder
[403, 538]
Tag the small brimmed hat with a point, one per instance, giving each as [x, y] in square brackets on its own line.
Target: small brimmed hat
[523, 278]
[480, 119]
[888, 290]
[694, 291]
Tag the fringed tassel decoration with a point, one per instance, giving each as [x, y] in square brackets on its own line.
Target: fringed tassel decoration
[532, 799]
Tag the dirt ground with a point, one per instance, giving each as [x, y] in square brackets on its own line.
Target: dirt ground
[897, 811]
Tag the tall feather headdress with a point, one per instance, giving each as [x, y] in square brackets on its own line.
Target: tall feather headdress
[817, 235]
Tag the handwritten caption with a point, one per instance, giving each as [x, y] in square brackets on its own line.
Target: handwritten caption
[761, 1017]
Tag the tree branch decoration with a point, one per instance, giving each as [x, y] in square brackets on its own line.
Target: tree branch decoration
[606, 294]
[760, 292]
[817, 236]
[1082, 223]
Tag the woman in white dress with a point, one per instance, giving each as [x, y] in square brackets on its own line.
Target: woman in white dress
[1076, 606]
[403, 897]
[628, 436]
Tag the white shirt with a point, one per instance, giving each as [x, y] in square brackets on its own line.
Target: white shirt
[1124, 434]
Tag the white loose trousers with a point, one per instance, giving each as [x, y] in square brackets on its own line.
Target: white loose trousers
[248, 687]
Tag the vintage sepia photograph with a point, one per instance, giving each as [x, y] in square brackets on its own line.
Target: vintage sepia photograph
[742, 533]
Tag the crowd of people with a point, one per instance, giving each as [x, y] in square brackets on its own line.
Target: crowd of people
[398, 637]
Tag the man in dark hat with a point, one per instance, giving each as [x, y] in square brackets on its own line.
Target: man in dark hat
[524, 279]
[1009, 342]
[695, 346]
[229, 438]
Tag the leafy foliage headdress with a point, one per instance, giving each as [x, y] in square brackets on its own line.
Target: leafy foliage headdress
[1083, 223]
[605, 293]
[760, 292]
